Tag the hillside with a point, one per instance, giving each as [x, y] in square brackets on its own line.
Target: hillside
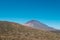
[15, 31]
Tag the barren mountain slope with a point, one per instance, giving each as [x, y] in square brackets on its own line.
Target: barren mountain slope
[15, 31]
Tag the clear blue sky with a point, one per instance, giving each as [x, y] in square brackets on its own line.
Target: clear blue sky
[46, 11]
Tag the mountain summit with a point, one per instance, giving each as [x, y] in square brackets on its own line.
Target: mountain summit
[38, 25]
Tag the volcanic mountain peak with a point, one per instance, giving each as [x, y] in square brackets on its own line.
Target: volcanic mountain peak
[38, 25]
[33, 21]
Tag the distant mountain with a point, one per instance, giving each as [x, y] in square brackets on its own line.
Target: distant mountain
[38, 25]
[15, 31]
